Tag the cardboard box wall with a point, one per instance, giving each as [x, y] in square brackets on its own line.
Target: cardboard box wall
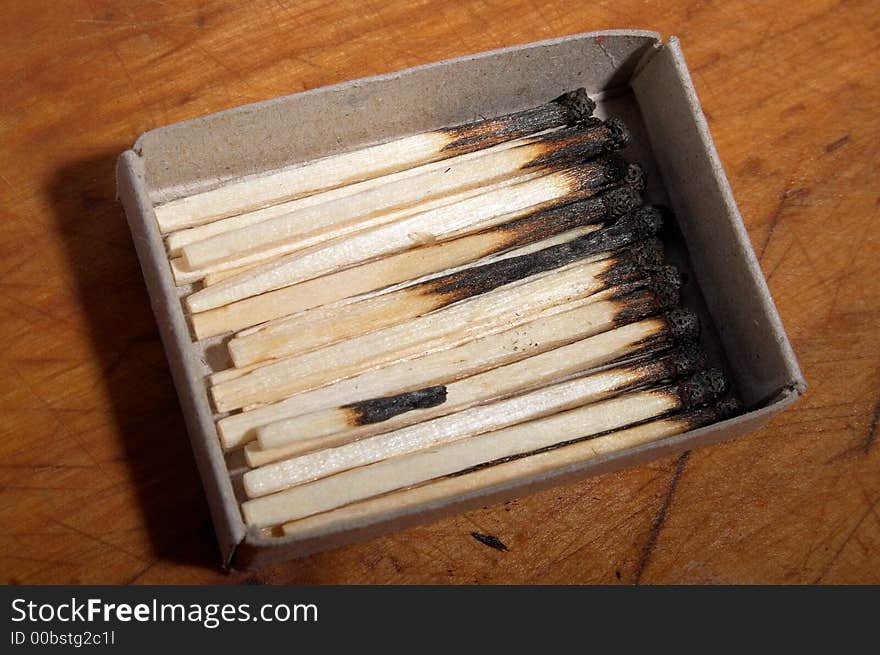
[632, 74]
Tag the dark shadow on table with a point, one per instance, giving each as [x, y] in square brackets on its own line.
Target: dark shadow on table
[135, 372]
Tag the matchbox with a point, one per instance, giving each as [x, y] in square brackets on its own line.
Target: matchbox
[632, 75]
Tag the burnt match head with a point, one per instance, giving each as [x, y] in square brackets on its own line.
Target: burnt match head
[665, 284]
[646, 255]
[702, 387]
[614, 167]
[720, 411]
[683, 325]
[646, 221]
[620, 201]
[635, 177]
[728, 408]
[579, 105]
[618, 134]
[687, 359]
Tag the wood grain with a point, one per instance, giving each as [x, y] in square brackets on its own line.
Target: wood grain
[97, 482]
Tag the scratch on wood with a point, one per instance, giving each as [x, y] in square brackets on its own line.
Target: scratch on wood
[872, 428]
[868, 512]
[661, 516]
[786, 197]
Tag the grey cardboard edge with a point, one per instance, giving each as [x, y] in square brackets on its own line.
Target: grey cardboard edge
[727, 268]
[245, 141]
[186, 369]
[253, 554]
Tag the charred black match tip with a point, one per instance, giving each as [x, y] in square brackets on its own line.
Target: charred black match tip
[377, 410]
[646, 221]
[621, 200]
[686, 359]
[683, 324]
[720, 411]
[728, 408]
[646, 255]
[616, 168]
[635, 176]
[702, 387]
[579, 105]
[665, 284]
[618, 134]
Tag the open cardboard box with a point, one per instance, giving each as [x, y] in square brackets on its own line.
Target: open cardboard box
[632, 74]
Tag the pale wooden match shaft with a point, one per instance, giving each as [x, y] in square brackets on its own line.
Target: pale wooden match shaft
[325, 325]
[339, 425]
[176, 240]
[231, 373]
[491, 479]
[433, 433]
[443, 459]
[551, 328]
[349, 214]
[337, 170]
[440, 224]
[257, 456]
[379, 274]
[248, 261]
[445, 328]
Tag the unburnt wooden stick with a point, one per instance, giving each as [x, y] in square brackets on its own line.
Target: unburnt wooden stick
[404, 266]
[440, 224]
[441, 329]
[485, 479]
[623, 318]
[176, 240]
[325, 325]
[358, 420]
[185, 275]
[445, 457]
[372, 161]
[370, 209]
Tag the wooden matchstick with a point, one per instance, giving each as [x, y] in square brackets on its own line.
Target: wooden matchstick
[499, 474]
[339, 425]
[257, 456]
[337, 170]
[440, 224]
[246, 261]
[377, 276]
[448, 455]
[329, 324]
[176, 240]
[185, 275]
[553, 328]
[432, 433]
[444, 328]
[354, 213]
[407, 265]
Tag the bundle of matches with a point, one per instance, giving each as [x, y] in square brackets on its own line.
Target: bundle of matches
[497, 474]
[443, 307]
[401, 154]
[416, 464]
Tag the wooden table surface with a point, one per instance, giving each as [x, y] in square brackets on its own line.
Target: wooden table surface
[97, 483]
